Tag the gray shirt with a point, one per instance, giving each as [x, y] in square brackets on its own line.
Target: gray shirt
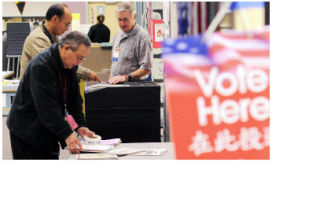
[134, 51]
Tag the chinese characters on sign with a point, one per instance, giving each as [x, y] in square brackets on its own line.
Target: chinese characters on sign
[218, 92]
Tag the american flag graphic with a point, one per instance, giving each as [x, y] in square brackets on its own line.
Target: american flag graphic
[222, 49]
[231, 48]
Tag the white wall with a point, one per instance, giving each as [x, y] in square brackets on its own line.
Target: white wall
[32, 9]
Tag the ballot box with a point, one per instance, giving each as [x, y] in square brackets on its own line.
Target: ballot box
[129, 111]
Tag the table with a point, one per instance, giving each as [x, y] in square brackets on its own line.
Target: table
[9, 90]
[7, 74]
[169, 155]
[99, 59]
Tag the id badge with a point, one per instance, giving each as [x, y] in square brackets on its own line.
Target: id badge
[73, 124]
[115, 55]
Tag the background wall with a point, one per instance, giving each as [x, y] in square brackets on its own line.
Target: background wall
[34, 9]
[79, 7]
[31, 9]
[88, 12]
[255, 18]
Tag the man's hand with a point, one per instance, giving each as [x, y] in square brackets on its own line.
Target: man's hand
[117, 79]
[94, 77]
[85, 131]
[73, 144]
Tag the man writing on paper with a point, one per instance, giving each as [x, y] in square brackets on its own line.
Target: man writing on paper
[58, 19]
[131, 51]
[47, 100]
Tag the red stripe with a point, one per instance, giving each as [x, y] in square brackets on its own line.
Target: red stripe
[218, 47]
[229, 64]
[256, 53]
[244, 36]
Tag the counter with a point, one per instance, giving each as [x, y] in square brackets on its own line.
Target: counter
[99, 58]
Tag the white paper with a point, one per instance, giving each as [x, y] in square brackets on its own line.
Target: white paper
[96, 148]
[140, 152]
[103, 85]
[114, 141]
[151, 152]
[124, 151]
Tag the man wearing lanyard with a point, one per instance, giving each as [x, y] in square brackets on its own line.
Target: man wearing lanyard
[48, 105]
[58, 19]
[131, 52]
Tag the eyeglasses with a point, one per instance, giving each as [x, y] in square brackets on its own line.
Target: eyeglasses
[123, 20]
[79, 58]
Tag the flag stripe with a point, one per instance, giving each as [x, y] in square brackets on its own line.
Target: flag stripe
[222, 50]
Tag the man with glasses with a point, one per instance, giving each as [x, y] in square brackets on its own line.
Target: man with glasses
[48, 105]
[131, 51]
[58, 20]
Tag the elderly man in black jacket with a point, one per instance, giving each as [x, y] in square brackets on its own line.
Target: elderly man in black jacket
[47, 97]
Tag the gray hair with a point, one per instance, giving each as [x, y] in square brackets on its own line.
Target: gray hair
[74, 39]
[126, 7]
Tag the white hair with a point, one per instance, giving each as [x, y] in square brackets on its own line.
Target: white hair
[126, 7]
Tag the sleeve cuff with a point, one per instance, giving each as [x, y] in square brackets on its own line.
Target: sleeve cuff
[83, 73]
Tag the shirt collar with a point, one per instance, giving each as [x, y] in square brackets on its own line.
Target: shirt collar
[57, 56]
[46, 32]
[132, 32]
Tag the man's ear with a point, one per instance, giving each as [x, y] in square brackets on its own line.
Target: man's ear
[135, 16]
[67, 47]
[55, 19]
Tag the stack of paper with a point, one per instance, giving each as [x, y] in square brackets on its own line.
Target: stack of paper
[102, 146]
[96, 148]
[114, 141]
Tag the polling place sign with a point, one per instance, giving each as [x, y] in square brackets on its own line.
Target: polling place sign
[218, 95]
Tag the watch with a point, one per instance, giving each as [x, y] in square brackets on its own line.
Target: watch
[129, 77]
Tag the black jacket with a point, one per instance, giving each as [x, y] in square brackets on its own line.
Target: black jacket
[99, 33]
[37, 112]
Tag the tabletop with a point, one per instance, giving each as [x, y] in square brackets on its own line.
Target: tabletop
[168, 155]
